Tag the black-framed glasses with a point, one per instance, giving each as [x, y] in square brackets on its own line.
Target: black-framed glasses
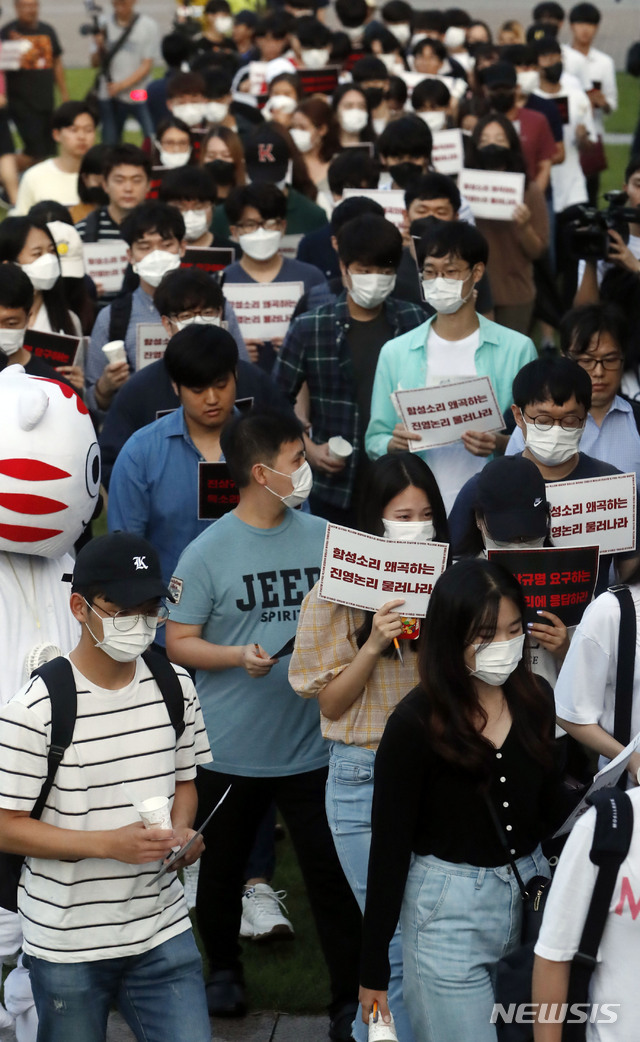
[544, 422]
[609, 362]
[125, 621]
[271, 225]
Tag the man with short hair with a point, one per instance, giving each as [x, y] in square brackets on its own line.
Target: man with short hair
[74, 131]
[126, 176]
[121, 90]
[123, 937]
[584, 21]
[192, 190]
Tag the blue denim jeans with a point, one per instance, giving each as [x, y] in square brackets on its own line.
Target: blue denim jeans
[457, 922]
[158, 993]
[114, 114]
[348, 801]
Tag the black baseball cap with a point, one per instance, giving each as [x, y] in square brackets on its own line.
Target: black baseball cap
[500, 74]
[266, 156]
[511, 494]
[124, 566]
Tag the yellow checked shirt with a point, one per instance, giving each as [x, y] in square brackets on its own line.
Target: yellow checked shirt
[325, 645]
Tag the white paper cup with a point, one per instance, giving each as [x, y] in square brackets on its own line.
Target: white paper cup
[115, 352]
[155, 813]
[339, 447]
[381, 1032]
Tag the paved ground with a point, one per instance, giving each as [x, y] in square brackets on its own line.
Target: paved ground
[261, 1027]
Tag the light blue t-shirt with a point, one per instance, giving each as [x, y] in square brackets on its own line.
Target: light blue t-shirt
[245, 585]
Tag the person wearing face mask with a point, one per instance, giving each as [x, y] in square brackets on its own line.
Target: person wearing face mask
[173, 144]
[431, 100]
[257, 216]
[122, 723]
[404, 148]
[315, 132]
[358, 678]
[217, 30]
[154, 233]
[285, 94]
[454, 344]
[334, 349]
[475, 736]
[397, 16]
[241, 585]
[193, 192]
[350, 106]
[16, 303]
[311, 42]
[371, 75]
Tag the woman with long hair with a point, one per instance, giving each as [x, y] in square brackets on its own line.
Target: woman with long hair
[173, 146]
[346, 659]
[283, 97]
[473, 741]
[32, 246]
[222, 154]
[316, 134]
[351, 109]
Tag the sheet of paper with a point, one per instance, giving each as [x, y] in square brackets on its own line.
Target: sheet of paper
[604, 779]
[491, 194]
[594, 510]
[263, 309]
[440, 415]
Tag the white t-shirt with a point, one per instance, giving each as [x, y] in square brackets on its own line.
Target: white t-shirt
[45, 181]
[600, 70]
[568, 182]
[576, 66]
[615, 979]
[83, 911]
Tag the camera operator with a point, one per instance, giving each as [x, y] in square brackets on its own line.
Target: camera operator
[621, 256]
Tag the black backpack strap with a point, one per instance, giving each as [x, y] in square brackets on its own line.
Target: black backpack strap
[119, 316]
[611, 842]
[91, 226]
[626, 666]
[58, 677]
[166, 678]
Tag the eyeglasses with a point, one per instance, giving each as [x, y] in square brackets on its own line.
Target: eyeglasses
[609, 363]
[272, 225]
[544, 422]
[450, 273]
[188, 316]
[124, 621]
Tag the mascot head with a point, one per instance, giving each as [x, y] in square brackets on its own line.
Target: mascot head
[49, 465]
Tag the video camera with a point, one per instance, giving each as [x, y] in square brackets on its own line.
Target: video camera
[588, 230]
[92, 28]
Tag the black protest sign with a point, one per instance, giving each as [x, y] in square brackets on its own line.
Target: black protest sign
[208, 258]
[54, 348]
[559, 580]
[217, 491]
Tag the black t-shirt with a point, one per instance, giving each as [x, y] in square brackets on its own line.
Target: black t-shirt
[37, 367]
[33, 81]
[365, 340]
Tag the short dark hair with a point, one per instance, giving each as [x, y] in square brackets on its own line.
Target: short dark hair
[176, 48]
[192, 183]
[370, 240]
[186, 288]
[352, 168]
[369, 68]
[457, 16]
[217, 83]
[397, 11]
[125, 155]
[518, 54]
[436, 46]
[433, 186]
[48, 210]
[580, 325]
[156, 217]
[276, 24]
[266, 198]
[354, 206]
[429, 21]
[406, 136]
[199, 355]
[352, 13]
[16, 290]
[455, 239]
[184, 83]
[66, 114]
[548, 9]
[310, 32]
[546, 45]
[376, 33]
[256, 437]
[430, 92]
[558, 378]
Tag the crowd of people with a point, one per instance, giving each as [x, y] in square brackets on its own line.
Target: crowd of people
[297, 239]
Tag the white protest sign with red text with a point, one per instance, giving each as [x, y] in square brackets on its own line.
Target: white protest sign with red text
[151, 343]
[447, 154]
[391, 201]
[492, 194]
[105, 263]
[440, 415]
[594, 511]
[263, 309]
[365, 571]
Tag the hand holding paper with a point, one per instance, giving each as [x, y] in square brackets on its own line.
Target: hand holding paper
[256, 660]
[401, 439]
[385, 627]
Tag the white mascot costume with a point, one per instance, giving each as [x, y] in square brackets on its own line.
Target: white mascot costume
[49, 483]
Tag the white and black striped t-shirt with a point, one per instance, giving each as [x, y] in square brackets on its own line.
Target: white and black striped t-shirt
[107, 231]
[98, 909]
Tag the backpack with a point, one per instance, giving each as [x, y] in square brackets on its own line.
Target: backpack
[91, 226]
[119, 316]
[58, 678]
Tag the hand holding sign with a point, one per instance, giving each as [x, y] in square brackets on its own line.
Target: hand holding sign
[385, 627]
[553, 636]
[257, 661]
[401, 439]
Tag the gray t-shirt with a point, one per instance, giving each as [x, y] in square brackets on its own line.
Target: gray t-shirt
[142, 42]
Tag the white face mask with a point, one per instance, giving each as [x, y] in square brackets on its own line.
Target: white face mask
[172, 160]
[315, 57]
[528, 80]
[155, 266]
[260, 245]
[302, 139]
[280, 103]
[496, 662]
[353, 121]
[215, 111]
[223, 24]
[354, 32]
[409, 531]
[379, 124]
[123, 647]
[302, 481]
[445, 295]
[196, 223]
[402, 33]
[369, 291]
[454, 36]
[435, 120]
[11, 340]
[44, 272]
[191, 113]
[554, 446]
[392, 62]
[198, 320]
[496, 544]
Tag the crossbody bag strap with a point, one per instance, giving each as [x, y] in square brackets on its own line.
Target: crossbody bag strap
[497, 824]
[625, 669]
[113, 50]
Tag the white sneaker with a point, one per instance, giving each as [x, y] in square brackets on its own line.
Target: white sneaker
[190, 875]
[262, 919]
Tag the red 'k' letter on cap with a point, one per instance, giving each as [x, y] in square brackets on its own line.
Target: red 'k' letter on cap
[265, 153]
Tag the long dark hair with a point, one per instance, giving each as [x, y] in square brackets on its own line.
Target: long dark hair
[387, 477]
[13, 235]
[515, 158]
[465, 602]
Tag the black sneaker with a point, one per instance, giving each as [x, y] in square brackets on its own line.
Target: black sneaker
[340, 1025]
[225, 994]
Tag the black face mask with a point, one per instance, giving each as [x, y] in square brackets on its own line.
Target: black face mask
[552, 73]
[502, 100]
[405, 173]
[374, 96]
[95, 195]
[493, 157]
[222, 171]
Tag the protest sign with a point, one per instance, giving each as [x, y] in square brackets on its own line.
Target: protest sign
[561, 102]
[263, 309]
[158, 173]
[447, 154]
[604, 779]
[365, 571]
[592, 511]
[54, 348]
[289, 246]
[11, 52]
[151, 343]
[440, 415]
[258, 80]
[391, 201]
[319, 81]
[217, 491]
[561, 581]
[105, 263]
[208, 258]
[491, 194]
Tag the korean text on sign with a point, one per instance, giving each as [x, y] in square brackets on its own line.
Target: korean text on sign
[492, 194]
[151, 343]
[561, 581]
[263, 309]
[365, 571]
[105, 262]
[448, 153]
[440, 415]
[598, 511]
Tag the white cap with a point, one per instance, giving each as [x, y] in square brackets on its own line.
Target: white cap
[69, 246]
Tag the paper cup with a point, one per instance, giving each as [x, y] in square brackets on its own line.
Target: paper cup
[339, 448]
[155, 813]
[381, 1032]
[115, 352]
